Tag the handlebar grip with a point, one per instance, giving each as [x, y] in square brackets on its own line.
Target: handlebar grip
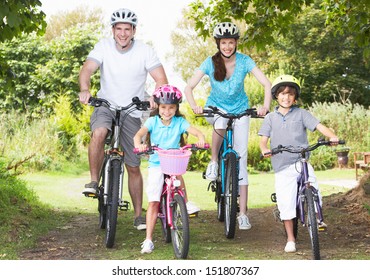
[341, 142]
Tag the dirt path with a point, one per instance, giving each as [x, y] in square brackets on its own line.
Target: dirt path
[348, 236]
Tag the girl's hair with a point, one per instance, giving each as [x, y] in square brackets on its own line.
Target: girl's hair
[183, 137]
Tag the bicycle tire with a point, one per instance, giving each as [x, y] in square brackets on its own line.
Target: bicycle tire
[180, 233]
[102, 209]
[231, 195]
[220, 202]
[112, 205]
[166, 230]
[312, 224]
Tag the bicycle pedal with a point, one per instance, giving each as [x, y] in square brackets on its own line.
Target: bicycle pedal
[124, 206]
[193, 215]
[91, 195]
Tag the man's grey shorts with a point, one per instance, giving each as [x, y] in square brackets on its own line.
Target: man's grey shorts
[103, 117]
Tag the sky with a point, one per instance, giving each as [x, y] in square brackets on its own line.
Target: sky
[156, 20]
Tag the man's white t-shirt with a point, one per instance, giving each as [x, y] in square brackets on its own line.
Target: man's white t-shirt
[123, 74]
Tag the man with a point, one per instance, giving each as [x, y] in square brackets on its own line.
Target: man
[124, 65]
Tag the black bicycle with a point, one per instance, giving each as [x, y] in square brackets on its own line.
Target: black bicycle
[308, 209]
[110, 190]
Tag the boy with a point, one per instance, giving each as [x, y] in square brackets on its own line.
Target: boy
[287, 125]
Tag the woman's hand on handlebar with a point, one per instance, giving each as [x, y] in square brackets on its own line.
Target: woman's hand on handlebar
[266, 153]
[262, 111]
[197, 109]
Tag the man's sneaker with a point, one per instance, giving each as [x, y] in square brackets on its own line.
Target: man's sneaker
[91, 189]
[244, 222]
[140, 223]
[290, 247]
[192, 208]
[147, 246]
[212, 170]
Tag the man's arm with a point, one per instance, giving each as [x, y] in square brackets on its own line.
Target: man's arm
[87, 70]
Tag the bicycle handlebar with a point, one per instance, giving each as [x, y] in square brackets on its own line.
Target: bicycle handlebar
[151, 149]
[299, 150]
[140, 105]
[211, 111]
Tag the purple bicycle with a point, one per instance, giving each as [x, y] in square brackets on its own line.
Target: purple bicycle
[309, 210]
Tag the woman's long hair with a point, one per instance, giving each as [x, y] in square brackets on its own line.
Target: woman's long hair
[219, 64]
[155, 112]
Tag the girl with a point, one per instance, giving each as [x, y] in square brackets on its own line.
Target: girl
[165, 128]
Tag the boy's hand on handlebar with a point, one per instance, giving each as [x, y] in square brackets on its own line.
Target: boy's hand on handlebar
[266, 153]
[334, 140]
[84, 96]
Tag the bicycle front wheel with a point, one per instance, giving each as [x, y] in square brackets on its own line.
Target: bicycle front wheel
[113, 198]
[166, 231]
[180, 232]
[102, 208]
[231, 195]
[312, 224]
[220, 202]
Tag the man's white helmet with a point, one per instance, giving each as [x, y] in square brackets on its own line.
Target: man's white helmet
[123, 16]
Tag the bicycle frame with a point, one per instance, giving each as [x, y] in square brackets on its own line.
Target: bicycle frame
[171, 186]
[226, 148]
[227, 191]
[302, 184]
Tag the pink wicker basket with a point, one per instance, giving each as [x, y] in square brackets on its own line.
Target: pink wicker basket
[174, 162]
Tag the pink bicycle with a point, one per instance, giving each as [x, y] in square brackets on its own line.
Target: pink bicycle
[172, 207]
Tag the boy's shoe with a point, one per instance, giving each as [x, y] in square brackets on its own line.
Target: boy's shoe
[290, 247]
[140, 223]
[212, 170]
[192, 208]
[244, 222]
[147, 246]
[91, 189]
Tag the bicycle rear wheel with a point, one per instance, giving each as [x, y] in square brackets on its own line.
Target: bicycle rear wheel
[312, 224]
[180, 233]
[166, 231]
[113, 198]
[231, 195]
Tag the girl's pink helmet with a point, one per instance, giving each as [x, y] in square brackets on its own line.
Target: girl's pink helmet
[167, 94]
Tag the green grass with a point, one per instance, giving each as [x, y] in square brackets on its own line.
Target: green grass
[62, 192]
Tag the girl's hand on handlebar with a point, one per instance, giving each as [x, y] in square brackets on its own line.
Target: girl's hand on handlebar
[141, 148]
[84, 96]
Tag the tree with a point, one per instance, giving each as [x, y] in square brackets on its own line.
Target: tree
[17, 18]
[20, 17]
[264, 18]
[330, 66]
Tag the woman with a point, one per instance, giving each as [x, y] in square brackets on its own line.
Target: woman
[227, 70]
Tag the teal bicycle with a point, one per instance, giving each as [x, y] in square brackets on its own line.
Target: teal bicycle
[226, 185]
